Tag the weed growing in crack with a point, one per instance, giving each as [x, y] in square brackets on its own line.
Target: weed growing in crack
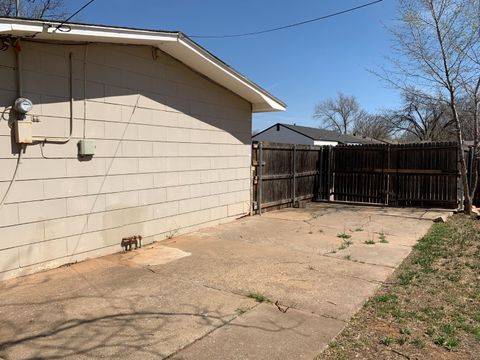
[344, 236]
[382, 237]
[259, 298]
[241, 310]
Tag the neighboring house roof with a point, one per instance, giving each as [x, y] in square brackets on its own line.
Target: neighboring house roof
[174, 43]
[325, 135]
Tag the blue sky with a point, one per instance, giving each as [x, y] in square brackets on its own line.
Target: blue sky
[301, 66]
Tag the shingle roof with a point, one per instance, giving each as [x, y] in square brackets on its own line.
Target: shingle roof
[329, 135]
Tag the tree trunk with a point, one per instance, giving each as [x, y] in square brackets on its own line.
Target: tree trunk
[467, 203]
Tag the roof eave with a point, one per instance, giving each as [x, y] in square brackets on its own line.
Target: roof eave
[175, 44]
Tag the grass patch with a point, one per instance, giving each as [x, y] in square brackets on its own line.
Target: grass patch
[369, 242]
[259, 298]
[429, 307]
[344, 236]
[382, 238]
[241, 310]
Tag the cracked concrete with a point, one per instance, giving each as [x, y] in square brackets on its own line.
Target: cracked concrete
[187, 297]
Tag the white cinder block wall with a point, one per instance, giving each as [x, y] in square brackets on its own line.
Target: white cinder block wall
[180, 162]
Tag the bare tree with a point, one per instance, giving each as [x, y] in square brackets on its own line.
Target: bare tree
[421, 118]
[438, 42]
[375, 126]
[35, 9]
[339, 114]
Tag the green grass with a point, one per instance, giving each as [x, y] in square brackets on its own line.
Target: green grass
[344, 236]
[241, 310]
[431, 301]
[369, 242]
[259, 297]
[345, 244]
[382, 238]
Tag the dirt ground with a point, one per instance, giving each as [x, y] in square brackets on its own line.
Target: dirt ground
[279, 286]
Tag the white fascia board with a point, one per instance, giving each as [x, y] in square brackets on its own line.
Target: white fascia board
[19, 29]
[174, 44]
[111, 35]
[205, 63]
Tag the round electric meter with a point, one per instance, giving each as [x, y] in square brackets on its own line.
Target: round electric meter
[23, 105]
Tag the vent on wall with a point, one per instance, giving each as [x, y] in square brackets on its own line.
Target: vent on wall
[278, 127]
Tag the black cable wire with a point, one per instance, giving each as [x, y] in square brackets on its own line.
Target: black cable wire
[287, 26]
[71, 16]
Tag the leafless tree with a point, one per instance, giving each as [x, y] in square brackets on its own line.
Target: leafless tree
[376, 126]
[339, 114]
[438, 46]
[421, 118]
[35, 9]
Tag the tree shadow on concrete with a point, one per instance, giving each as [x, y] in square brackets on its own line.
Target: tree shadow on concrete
[72, 317]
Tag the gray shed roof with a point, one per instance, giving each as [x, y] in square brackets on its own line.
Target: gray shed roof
[326, 135]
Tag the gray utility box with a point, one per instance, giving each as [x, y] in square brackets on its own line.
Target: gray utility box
[86, 148]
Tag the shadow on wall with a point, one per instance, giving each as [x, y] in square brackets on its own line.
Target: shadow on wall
[133, 96]
[116, 75]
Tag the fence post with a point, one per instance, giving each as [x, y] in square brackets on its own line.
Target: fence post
[260, 177]
[294, 165]
[331, 175]
[470, 166]
[320, 176]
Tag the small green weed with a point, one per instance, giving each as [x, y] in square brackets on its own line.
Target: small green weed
[418, 342]
[386, 340]
[241, 310]
[382, 238]
[402, 340]
[369, 242]
[259, 298]
[387, 298]
[345, 244]
[406, 277]
[344, 236]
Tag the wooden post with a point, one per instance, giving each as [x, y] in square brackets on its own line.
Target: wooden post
[294, 165]
[260, 176]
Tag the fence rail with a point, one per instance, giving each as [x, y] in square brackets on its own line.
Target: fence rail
[398, 175]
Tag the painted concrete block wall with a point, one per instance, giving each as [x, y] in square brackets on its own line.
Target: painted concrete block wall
[172, 154]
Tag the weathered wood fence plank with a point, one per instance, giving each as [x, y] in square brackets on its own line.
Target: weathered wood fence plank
[399, 175]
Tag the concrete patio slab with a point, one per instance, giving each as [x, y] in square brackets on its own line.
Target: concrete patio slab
[189, 297]
[266, 333]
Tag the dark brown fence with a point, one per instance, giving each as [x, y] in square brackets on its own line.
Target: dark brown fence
[398, 175]
[290, 173]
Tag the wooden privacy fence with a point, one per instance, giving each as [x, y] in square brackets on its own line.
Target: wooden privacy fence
[398, 175]
[289, 173]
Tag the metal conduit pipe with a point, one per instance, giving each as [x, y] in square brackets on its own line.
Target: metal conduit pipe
[67, 139]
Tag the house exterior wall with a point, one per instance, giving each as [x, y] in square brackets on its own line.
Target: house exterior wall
[172, 154]
[283, 136]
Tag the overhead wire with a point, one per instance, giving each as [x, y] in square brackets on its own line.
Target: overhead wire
[59, 27]
[289, 25]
